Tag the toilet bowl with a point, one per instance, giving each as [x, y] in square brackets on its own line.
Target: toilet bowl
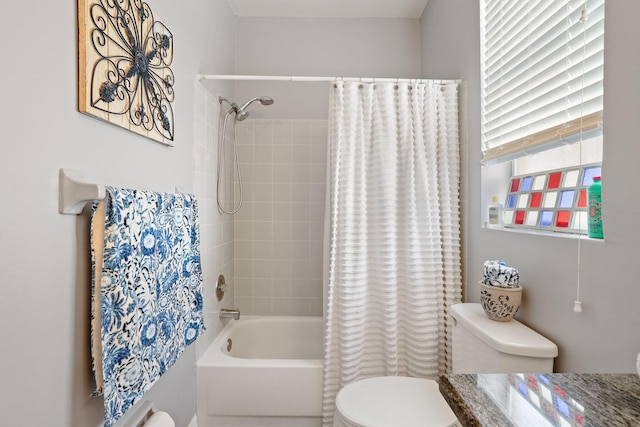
[392, 402]
[480, 345]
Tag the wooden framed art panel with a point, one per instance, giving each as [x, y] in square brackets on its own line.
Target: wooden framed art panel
[124, 59]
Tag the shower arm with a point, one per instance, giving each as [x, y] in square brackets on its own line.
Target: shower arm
[233, 105]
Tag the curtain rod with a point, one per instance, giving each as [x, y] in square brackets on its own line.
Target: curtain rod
[313, 78]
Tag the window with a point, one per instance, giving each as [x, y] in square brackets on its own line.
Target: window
[553, 200]
[542, 92]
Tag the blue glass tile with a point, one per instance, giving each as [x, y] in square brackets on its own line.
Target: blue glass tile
[589, 173]
[512, 200]
[523, 388]
[526, 184]
[547, 219]
[566, 198]
[544, 379]
[563, 407]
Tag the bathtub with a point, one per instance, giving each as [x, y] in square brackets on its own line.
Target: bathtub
[270, 376]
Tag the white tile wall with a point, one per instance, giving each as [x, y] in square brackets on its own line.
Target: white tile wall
[270, 252]
[279, 230]
[216, 230]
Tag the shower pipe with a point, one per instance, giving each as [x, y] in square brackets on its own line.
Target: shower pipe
[240, 114]
[311, 79]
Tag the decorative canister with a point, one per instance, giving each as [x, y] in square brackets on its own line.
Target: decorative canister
[500, 304]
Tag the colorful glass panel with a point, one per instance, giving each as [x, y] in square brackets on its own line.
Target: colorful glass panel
[579, 221]
[562, 219]
[566, 198]
[571, 178]
[538, 182]
[546, 220]
[508, 217]
[536, 200]
[554, 180]
[582, 200]
[556, 200]
[589, 173]
[550, 199]
[524, 201]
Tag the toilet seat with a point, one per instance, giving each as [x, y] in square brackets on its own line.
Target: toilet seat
[393, 402]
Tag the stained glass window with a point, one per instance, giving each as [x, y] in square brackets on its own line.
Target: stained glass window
[553, 200]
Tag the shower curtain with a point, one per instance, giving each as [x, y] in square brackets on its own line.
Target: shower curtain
[393, 222]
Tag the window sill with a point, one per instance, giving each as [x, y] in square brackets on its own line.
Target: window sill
[542, 233]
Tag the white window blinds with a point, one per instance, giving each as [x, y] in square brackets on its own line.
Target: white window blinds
[542, 71]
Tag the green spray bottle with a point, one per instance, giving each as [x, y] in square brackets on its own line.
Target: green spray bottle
[595, 208]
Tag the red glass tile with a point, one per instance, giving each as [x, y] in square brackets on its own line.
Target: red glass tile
[582, 200]
[554, 180]
[560, 391]
[520, 217]
[562, 219]
[536, 200]
[515, 184]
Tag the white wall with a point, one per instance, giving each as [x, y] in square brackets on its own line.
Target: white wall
[604, 337]
[320, 47]
[44, 291]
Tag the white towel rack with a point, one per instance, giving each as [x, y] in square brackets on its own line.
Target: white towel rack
[74, 191]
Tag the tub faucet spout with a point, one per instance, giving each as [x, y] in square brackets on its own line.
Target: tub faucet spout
[229, 314]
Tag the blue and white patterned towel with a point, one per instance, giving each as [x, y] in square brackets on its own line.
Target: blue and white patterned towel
[146, 291]
[496, 273]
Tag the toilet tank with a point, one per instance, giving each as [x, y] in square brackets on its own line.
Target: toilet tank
[482, 345]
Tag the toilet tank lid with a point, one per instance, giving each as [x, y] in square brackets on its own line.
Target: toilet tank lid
[507, 337]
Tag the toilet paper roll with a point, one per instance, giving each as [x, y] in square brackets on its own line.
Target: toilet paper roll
[638, 364]
[160, 419]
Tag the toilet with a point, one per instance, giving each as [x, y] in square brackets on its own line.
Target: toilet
[480, 345]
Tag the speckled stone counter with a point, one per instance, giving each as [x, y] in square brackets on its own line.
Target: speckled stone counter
[589, 400]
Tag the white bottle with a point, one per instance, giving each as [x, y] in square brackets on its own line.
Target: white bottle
[495, 213]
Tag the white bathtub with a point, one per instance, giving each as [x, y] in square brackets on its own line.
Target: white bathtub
[272, 376]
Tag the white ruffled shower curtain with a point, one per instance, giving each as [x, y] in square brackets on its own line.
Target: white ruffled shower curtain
[393, 224]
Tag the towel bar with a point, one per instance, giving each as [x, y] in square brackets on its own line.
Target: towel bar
[74, 192]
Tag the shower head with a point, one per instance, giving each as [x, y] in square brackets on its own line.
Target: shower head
[241, 112]
[241, 115]
[264, 100]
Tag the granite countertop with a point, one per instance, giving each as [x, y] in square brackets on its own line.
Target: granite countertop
[583, 400]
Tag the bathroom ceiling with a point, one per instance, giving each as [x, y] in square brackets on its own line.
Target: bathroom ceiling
[329, 8]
